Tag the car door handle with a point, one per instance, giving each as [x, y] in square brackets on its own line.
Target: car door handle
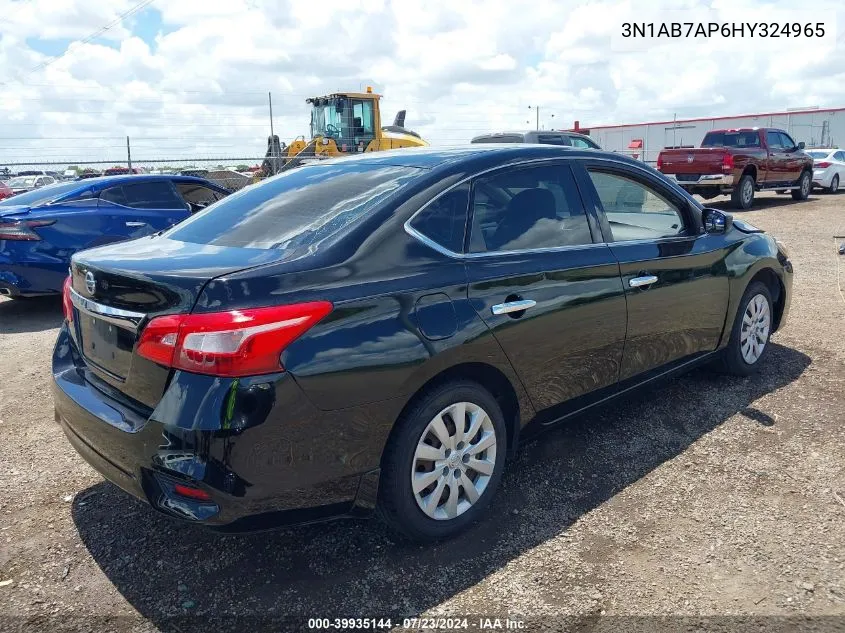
[513, 306]
[136, 224]
[639, 282]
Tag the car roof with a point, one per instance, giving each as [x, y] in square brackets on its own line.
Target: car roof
[470, 155]
[108, 181]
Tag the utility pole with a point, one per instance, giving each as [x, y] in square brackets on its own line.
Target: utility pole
[537, 112]
[273, 161]
[128, 155]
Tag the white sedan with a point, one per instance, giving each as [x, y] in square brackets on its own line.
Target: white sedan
[828, 168]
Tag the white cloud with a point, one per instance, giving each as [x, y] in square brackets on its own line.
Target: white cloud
[199, 86]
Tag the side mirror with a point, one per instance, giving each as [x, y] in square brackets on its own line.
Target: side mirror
[716, 221]
[801, 145]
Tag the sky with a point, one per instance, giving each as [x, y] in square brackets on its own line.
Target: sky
[188, 78]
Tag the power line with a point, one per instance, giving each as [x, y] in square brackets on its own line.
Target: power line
[135, 9]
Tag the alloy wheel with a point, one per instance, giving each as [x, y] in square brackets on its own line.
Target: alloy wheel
[747, 192]
[805, 185]
[756, 323]
[454, 461]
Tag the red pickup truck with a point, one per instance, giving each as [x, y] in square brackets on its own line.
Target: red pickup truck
[739, 162]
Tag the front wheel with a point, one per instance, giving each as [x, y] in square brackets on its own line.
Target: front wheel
[804, 184]
[751, 331]
[834, 184]
[742, 196]
[442, 466]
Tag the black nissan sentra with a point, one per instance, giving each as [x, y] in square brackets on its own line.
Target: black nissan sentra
[379, 333]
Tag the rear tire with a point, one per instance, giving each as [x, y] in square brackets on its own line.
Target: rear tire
[442, 458]
[751, 331]
[805, 182]
[834, 184]
[742, 197]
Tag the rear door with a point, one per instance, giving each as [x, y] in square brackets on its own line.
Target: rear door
[136, 209]
[542, 282]
[674, 276]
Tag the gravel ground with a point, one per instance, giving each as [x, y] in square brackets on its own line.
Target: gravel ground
[708, 497]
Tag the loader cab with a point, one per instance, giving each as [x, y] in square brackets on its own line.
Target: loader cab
[351, 120]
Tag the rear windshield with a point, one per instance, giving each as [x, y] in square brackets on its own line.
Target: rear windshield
[731, 139]
[296, 209]
[819, 154]
[40, 196]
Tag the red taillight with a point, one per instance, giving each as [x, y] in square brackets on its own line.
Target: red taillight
[659, 162]
[191, 493]
[234, 343]
[67, 304]
[22, 231]
[823, 165]
[727, 162]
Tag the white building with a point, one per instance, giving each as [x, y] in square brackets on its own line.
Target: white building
[816, 127]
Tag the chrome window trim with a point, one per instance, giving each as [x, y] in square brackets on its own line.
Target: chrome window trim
[116, 316]
[550, 249]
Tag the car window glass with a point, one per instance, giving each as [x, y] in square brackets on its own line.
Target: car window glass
[113, 194]
[773, 140]
[529, 208]
[444, 220]
[840, 156]
[579, 142]
[635, 211]
[197, 196]
[787, 141]
[151, 195]
[297, 209]
[553, 139]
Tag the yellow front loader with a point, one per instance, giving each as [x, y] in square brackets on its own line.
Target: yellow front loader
[342, 124]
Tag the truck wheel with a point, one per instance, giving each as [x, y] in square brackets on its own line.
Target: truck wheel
[804, 184]
[742, 197]
[834, 184]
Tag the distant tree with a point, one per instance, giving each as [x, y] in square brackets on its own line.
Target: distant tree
[243, 167]
[73, 167]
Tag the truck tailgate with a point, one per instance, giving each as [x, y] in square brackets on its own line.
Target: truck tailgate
[693, 161]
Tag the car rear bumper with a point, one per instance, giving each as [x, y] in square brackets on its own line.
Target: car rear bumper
[281, 469]
[21, 277]
[823, 177]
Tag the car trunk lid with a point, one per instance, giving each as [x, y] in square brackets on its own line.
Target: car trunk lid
[117, 289]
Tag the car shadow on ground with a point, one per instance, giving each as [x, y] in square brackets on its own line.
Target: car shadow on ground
[33, 314]
[183, 578]
[767, 202]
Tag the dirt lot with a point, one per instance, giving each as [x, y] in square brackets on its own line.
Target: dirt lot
[709, 496]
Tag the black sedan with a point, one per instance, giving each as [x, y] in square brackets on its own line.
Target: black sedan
[379, 333]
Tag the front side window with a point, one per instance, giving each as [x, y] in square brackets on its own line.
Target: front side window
[528, 208]
[552, 139]
[787, 141]
[198, 196]
[773, 140]
[635, 211]
[444, 220]
[577, 141]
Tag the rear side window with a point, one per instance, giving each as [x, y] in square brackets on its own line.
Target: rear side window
[444, 220]
[144, 195]
[526, 209]
[840, 156]
[298, 208]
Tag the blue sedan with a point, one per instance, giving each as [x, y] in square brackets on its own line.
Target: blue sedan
[41, 229]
